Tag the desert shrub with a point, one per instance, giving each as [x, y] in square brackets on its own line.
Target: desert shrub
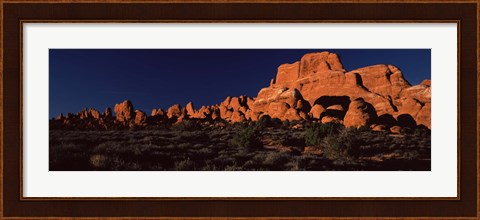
[343, 146]
[276, 123]
[264, 121]
[315, 132]
[184, 165]
[98, 160]
[275, 160]
[364, 128]
[233, 167]
[248, 138]
[421, 132]
[297, 163]
[292, 141]
[411, 155]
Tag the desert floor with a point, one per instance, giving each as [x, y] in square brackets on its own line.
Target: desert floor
[250, 146]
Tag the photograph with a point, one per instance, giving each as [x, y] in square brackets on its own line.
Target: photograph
[239, 109]
[173, 109]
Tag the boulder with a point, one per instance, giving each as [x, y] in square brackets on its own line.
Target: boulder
[360, 113]
[291, 115]
[317, 111]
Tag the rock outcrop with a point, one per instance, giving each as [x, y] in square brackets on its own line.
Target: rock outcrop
[140, 117]
[124, 111]
[317, 87]
[276, 102]
[174, 111]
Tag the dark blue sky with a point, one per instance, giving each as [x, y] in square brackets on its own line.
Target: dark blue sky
[159, 78]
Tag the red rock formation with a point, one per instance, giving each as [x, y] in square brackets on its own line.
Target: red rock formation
[108, 113]
[140, 117]
[190, 109]
[319, 75]
[174, 111]
[124, 111]
[315, 87]
[317, 111]
[423, 116]
[94, 113]
[237, 117]
[59, 117]
[291, 115]
[277, 101]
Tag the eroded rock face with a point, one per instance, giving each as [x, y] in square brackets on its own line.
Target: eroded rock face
[360, 113]
[124, 111]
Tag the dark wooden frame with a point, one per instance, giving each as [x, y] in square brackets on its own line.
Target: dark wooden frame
[13, 13]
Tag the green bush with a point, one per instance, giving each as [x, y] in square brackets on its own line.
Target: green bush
[184, 165]
[248, 138]
[344, 146]
[264, 121]
[286, 124]
[316, 132]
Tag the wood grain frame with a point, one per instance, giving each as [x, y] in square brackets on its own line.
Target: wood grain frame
[14, 13]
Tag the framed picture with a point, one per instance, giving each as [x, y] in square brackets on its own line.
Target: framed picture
[239, 109]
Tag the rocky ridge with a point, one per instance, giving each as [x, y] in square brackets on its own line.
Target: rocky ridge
[316, 88]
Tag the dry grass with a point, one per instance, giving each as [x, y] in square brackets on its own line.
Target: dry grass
[247, 147]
